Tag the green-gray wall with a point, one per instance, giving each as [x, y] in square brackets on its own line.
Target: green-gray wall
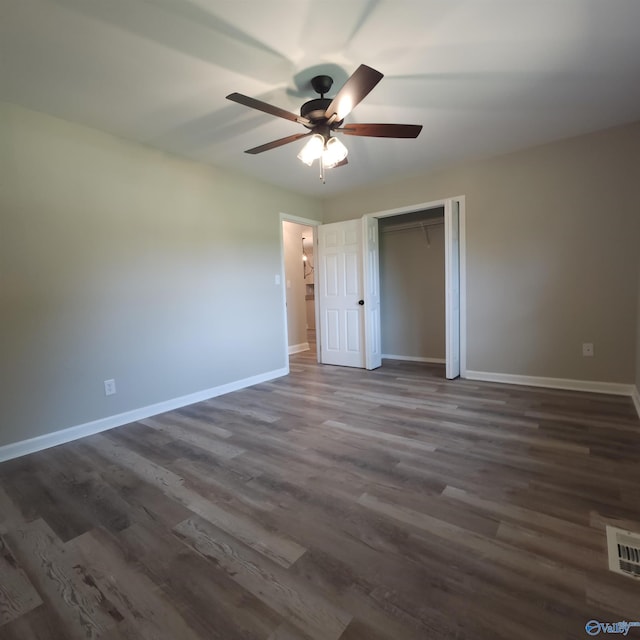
[118, 261]
[551, 253]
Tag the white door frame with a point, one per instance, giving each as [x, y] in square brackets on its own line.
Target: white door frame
[413, 208]
[371, 292]
[307, 222]
[452, 288]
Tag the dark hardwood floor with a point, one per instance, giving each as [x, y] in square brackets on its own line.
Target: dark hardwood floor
[329, 504]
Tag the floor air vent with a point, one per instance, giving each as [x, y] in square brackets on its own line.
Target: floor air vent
[624, 552]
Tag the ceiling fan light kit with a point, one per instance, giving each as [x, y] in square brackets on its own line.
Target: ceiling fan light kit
[334, 153]
[312, 150]
[322, 116]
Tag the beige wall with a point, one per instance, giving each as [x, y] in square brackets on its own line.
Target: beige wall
[550, 253]
[294, 282]
[118, 261]
[412, 292]
[638, 333]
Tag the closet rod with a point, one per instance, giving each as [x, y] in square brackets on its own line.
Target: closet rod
[412, 225]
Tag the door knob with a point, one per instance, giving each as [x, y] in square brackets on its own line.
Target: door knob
[360, 302]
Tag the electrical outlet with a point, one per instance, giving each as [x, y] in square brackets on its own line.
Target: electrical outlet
[109, 387]
[587, 349]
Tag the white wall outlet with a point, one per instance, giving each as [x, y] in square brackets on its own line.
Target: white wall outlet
[288, 284]
[587, 349]
[109, 387]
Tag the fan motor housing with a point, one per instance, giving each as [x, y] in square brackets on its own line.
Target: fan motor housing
[314, 110]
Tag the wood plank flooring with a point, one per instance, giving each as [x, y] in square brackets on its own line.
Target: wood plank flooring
[331, 504]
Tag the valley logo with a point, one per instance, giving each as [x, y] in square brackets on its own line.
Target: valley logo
[593, 627]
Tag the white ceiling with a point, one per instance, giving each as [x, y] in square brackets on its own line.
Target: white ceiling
[482, 76]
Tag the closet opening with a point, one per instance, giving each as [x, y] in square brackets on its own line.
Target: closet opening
[412, 286]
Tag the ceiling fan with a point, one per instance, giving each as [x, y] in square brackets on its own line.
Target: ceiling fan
[322, 116]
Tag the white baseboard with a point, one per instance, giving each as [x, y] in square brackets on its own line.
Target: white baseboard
[297, 348]
[24, 447]
[387, 356]
[612, 388]
[635, 396]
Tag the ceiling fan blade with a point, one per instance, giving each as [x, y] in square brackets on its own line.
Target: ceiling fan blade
[267, 108]
[342, 163]
[382, 130]
[355, 89]
[278, 143]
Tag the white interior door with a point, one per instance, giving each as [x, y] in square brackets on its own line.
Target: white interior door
[452, 287]
[373, 341]
[340, 297]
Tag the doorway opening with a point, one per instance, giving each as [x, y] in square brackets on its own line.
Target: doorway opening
[299, 286]
[412, 286]
[453, 210]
